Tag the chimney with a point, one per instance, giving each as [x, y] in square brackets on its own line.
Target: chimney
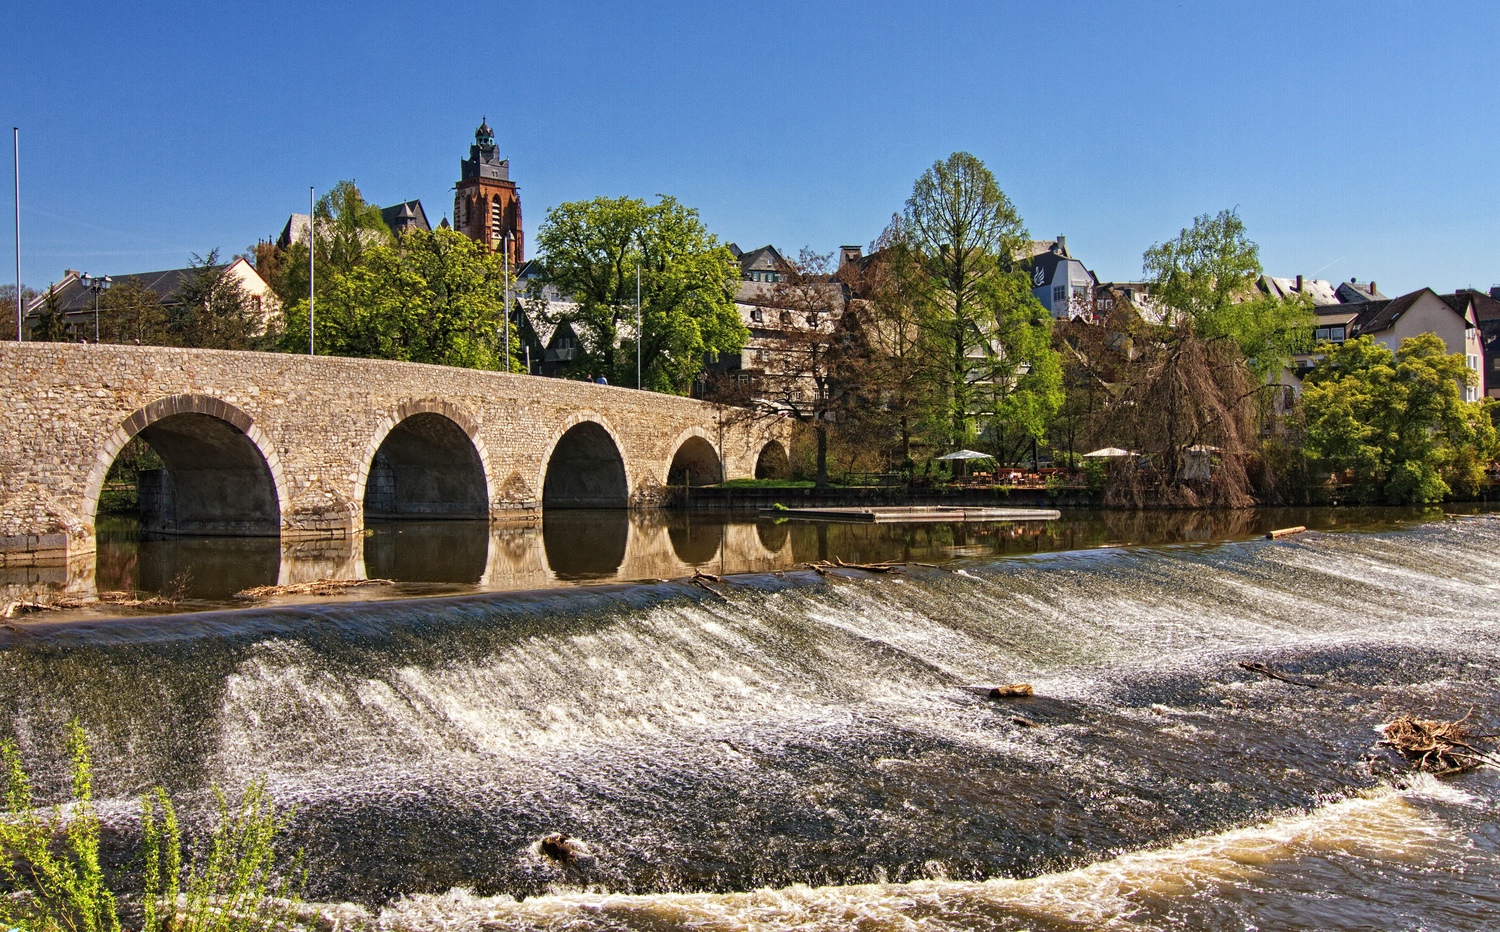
[849, 255]
[1299, 284]
[1372, 289]
[1495, 292]
[1062, 245]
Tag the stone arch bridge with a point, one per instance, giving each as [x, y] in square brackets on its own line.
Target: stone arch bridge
[306, 447]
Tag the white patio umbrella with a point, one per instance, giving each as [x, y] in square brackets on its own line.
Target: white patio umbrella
[963, 457]
[1108, 452]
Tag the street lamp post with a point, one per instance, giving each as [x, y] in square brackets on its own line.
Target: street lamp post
[97, 284]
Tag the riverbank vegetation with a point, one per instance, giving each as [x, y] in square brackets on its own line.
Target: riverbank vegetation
[56, 880]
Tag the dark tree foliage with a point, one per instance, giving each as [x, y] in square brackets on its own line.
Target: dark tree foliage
[211, 310]
[132, 313]
[50, 326]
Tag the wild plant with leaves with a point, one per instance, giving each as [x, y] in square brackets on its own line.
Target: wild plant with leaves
[55, 882]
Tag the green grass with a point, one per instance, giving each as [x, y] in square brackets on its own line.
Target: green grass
[767, 484]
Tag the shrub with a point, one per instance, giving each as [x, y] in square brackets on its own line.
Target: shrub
[58, 884]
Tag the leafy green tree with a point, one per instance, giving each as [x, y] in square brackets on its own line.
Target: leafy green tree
[591, 252]
[1022, 382]
[347, 228]
[130, 312]
[967, 236]
[1205, 278]
[433, 297]
[1397, 423]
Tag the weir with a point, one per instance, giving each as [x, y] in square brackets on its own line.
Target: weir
[819, 732]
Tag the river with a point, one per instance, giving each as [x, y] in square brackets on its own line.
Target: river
[789, 750]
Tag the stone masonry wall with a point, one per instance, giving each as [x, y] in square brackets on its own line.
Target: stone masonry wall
[66, 410]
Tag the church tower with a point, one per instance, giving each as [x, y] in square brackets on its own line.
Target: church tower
[486, 203]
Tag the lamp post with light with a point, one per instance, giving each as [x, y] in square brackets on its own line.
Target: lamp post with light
[98, 284]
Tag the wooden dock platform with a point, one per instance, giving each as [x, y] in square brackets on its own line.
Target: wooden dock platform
[912, 514]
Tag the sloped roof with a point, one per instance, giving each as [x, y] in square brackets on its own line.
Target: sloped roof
[764, 259]
[1321, 292]
[294, 231]
[405, 215]
[1356, 293]
[73, 297]
[1486, 308]
[1375, 316]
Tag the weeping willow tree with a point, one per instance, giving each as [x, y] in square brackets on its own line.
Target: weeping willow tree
[1190, 405]
[1187, 409]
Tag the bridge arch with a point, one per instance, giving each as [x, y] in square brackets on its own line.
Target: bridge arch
[694, 461]
[222, 473]
[425, 461]
[584, 466]
[773, 461]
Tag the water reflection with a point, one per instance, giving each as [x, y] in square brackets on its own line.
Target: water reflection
[584, 546]
[428, 551]
[585, 543]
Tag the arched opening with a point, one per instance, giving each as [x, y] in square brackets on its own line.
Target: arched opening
[194, 475]
[695, 463]
[426, 468]
[773, 463]
[585, 471]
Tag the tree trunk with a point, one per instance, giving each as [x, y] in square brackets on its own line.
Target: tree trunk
[822, 432]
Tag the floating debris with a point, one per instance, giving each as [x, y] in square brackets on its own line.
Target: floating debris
[822, 567]
[1438, 747]
[560, 848]
[1285, 532]
[1265, 670]
[1023, 721]
[1013, 691]
[316, 587]
[120, 599]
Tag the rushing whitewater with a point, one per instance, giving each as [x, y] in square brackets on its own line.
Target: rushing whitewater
[804, 751]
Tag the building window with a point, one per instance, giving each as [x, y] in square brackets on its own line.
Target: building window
[1059, 294]
[756, 315]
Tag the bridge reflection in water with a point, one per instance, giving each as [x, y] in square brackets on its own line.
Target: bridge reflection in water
[580, 547]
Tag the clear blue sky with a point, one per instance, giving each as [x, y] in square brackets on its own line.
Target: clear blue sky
[1356, 139]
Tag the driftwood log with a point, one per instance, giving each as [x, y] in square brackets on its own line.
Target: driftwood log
[1285, 532]
[1265, 670]
[1013, 691]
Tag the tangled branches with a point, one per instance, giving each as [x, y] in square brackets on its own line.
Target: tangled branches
[1437, 747]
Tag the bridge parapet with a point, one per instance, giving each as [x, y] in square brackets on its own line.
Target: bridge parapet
[266, 443]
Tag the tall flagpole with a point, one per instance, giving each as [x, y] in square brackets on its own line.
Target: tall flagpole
[639, 333]
[506, 246]
[312, 248]
[16, 134]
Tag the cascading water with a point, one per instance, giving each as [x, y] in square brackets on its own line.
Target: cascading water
[816, 740]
